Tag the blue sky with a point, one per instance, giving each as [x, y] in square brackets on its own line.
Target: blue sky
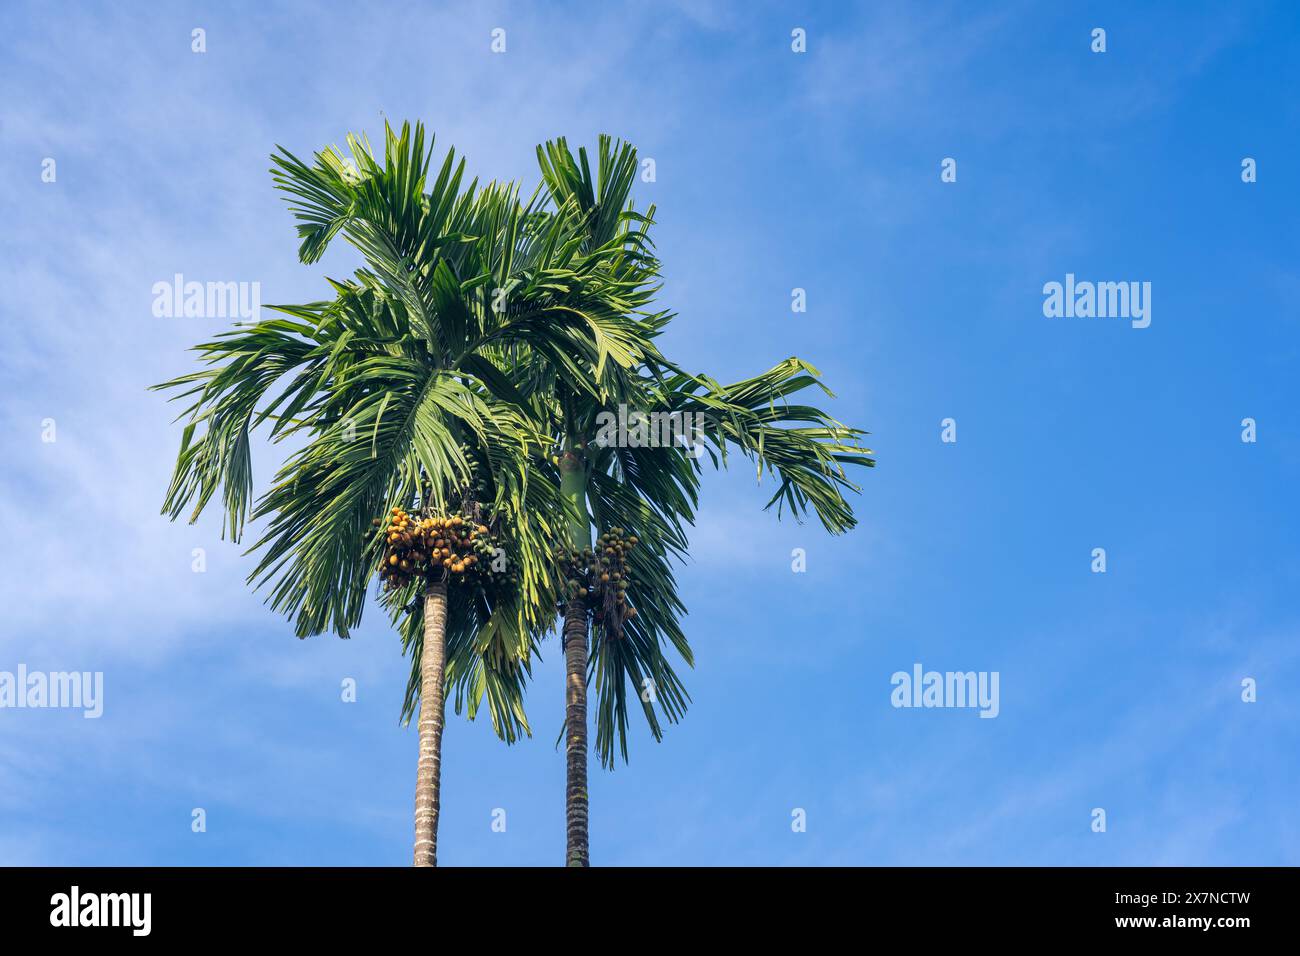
[774, 170]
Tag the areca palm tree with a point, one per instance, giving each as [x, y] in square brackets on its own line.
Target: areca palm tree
[487, 330]
[649, 494]
[394, 387]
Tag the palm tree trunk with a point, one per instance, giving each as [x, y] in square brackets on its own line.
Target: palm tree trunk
[573, 486]
[575, 731]
[428, 776]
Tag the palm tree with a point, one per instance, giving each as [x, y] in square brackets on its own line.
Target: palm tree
[647, 495]
[484, 333]
[394, 384]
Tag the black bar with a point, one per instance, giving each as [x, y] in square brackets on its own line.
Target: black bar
[334, 905]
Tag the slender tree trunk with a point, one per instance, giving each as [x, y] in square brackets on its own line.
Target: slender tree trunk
[573, 485]
[575, 731]
[428, 776]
